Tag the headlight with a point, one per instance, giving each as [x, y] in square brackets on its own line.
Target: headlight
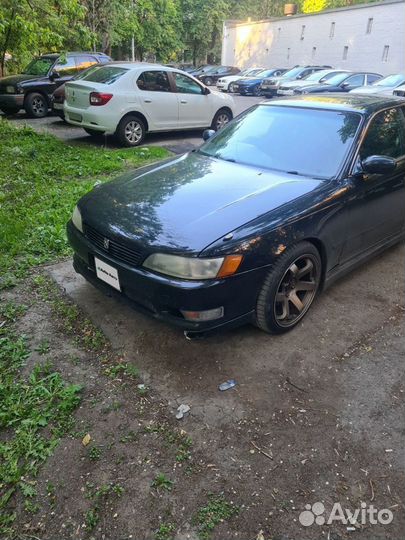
[77, 219]
[10, 90]
[193, 267]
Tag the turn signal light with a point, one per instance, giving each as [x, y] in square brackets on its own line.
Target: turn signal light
[99, 98]
[230, 265]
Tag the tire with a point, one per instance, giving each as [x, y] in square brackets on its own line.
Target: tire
[94, 132]
[208, 81]
[131, 131]
[257, 92]
[289, 289]
[36, 105]
[231, 88]
[10, 110]
[223, 117]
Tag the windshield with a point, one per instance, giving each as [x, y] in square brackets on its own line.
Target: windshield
[293, 72]
[391, 81]
[265, 73]
[39, 66]
[104, 74]
[308, 142]
[317, 76]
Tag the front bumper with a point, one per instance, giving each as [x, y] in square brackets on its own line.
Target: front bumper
[269, 90]
[12, 100]
[163, 297]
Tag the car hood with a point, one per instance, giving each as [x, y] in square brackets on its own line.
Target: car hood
[321, 87]
[187, 203]
[15, 79]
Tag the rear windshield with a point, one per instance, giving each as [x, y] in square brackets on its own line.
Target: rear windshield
[105, 74]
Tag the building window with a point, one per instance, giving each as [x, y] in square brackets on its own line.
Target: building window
[345, 52]
[332, 30]
[313, 52]
[385, 53]
[288, 53]
[369, 25]
[302, 31]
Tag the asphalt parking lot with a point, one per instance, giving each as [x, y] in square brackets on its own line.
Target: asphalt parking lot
[177, 142]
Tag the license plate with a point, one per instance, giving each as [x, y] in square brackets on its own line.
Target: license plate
[58, 106]
[75, 117]
[107, 273]
[287, 92]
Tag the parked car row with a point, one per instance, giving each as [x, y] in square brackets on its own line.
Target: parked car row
[308, 80]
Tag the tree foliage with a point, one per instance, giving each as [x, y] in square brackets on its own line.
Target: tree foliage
[162, 30]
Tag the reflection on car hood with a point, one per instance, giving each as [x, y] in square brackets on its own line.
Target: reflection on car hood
[371, 89]
[15, 79]
[189, 202]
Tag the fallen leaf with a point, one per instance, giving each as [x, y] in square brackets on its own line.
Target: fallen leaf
[86, 439]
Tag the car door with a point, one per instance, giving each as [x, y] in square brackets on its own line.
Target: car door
[376, 209]
[194, 103]
[159, 103]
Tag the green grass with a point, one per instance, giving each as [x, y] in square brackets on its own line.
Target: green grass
[162, 482]
[217, 510]
[35, 411]
[41, 179]
[164, 532]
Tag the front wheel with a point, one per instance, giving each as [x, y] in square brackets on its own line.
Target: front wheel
[257, 91]
[220, 120]
[36, 105]
[231, 88]
[289, 289]
[208, 81]
[131, 131]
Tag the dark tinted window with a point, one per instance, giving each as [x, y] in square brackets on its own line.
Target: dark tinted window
[299, 141]
[153, 81]
[384, 136]
[185, 85]
[66, 66]
[372, 78]
[104, 74]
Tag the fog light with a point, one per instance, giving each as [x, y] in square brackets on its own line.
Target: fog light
[208, 315]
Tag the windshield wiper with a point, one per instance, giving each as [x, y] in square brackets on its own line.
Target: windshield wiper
[292, 172]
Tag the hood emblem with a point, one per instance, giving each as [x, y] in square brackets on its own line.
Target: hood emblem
[106, 243]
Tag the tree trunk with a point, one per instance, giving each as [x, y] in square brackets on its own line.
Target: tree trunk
[6, 41]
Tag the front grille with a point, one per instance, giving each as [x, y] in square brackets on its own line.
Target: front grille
[115, 249]
[399, 93]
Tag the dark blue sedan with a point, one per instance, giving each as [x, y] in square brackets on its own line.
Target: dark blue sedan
[274, 207]
[252, 85]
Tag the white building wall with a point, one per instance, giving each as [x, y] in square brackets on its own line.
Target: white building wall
[282, 42]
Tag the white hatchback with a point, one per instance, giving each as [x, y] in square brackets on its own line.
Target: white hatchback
[129, 99]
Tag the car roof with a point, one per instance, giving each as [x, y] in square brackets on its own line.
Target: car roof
[76, 53]
[366, 104]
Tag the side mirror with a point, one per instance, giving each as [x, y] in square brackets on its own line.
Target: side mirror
[207, 91]
[55, 75]
[207, 134]
[378, 165]
[345, 85]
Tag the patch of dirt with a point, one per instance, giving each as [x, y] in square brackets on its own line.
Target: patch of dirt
[306, 441]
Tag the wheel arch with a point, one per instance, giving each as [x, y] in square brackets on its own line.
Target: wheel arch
[320, 246]
[37, 91]
[136, 113]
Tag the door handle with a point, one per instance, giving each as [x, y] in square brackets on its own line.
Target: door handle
[183, 101]
[148, 101]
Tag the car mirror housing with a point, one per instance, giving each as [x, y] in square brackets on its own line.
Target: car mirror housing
[207, 91]
[207, 134]
[55, 75]
[378, 165]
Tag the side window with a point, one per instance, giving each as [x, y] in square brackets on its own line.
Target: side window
[67, 66]
[153, 81]
[185, 85]
[84, 62]
[372, 78]
[305, 73]
[355, 80]
[384, 136]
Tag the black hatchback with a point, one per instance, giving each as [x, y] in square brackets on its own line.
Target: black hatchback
[275, 206]
[32, 89]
